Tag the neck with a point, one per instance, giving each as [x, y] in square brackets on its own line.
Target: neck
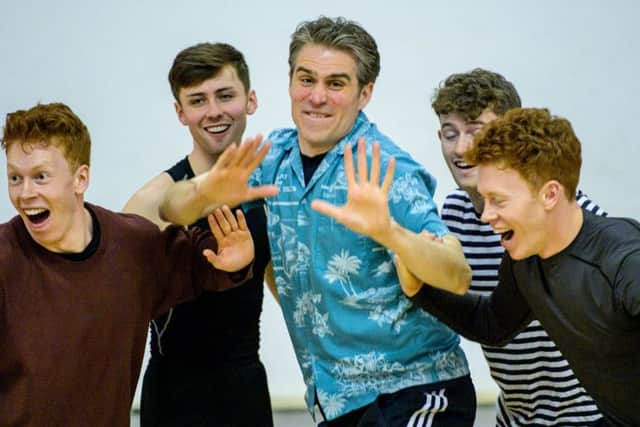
[476, 200]
[566, 222]
[201, 163]
[78, 236]
[312, 151]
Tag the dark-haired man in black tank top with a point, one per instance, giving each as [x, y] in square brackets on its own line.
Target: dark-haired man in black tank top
[204, 368]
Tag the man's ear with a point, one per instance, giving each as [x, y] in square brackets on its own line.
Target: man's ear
[550, 193]
[180, 112]
[81, 179]
[252, 102]
[365, 95]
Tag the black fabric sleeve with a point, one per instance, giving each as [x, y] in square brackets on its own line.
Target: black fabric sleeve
[490, 320]
[627, 284]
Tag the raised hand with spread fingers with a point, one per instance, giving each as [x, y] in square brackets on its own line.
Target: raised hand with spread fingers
[437, 261]
[226, 183]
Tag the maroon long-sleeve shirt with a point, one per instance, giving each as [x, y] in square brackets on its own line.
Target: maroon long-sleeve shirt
[73, 331]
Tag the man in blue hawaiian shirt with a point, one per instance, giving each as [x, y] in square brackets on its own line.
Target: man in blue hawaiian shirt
[367, 354]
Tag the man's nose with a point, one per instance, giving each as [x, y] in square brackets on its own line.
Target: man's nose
[463, 144]
[318, 94]
[213, 109]
[488, 214]
[27, 189]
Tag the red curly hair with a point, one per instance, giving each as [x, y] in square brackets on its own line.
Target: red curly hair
[47, 124]
[537, 145]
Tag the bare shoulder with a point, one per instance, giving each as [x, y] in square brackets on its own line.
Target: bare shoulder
[146, 201]
[151, 192]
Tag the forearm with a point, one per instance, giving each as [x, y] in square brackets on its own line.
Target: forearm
[183, 204]
[473, 316]
[440, 263]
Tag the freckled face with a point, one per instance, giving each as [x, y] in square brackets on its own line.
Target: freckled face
[513, 210]
[47, 194]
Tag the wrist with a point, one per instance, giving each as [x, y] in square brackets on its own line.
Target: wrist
[388, 237]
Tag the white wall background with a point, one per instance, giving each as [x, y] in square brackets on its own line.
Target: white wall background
[109, 60]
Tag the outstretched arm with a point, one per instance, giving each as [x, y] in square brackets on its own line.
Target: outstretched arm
[490, 320]
[440, 263]
[225, 183]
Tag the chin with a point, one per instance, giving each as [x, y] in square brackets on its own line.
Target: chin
[518, 255]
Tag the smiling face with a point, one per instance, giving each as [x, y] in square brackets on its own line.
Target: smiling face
[216, 112]
[325, 97]
[47, 194]
[456, 136]
[513, 210]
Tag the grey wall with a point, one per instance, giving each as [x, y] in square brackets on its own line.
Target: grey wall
[109, 60]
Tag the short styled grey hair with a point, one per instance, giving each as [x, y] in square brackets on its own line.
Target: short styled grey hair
[342, 34]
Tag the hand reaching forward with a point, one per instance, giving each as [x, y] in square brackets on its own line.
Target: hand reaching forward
[227, 180]
[367, 208]
[235, 245]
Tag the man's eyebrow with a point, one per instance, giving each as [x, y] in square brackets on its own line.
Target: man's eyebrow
[194, 94]
[345, 76]
[203, 93]
[476, 122]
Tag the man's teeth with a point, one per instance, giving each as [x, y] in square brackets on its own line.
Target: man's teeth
[216, 129]
[32, 212]
[318, 115]
[463, 165]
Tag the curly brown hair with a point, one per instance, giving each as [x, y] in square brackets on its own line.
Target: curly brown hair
[47, 124]
[469, 94]
[537, 145]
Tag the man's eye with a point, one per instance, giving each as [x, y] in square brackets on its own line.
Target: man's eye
[196, 101]
[14, 179]
[450, 136]
[336, 85]
[42, 175]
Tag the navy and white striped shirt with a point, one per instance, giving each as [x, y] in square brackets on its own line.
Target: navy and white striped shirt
[537, 387]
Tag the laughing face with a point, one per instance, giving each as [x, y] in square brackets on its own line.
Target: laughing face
[216, 111]
[513, 210]
[325, 97]
[48, 195]
[456, 135]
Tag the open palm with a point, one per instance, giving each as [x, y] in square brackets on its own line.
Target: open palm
[367, 208]
[235, 245]
[227, 180]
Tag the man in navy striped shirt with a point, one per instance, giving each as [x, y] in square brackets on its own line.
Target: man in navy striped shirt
[537, 387]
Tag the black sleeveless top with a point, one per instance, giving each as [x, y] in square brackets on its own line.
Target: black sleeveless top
[217, 327]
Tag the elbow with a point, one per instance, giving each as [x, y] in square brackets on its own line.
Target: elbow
[464, 280]
[166, 214]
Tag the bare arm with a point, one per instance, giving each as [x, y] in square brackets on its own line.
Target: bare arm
[146, 201]
[440, 263]
[226, 183]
